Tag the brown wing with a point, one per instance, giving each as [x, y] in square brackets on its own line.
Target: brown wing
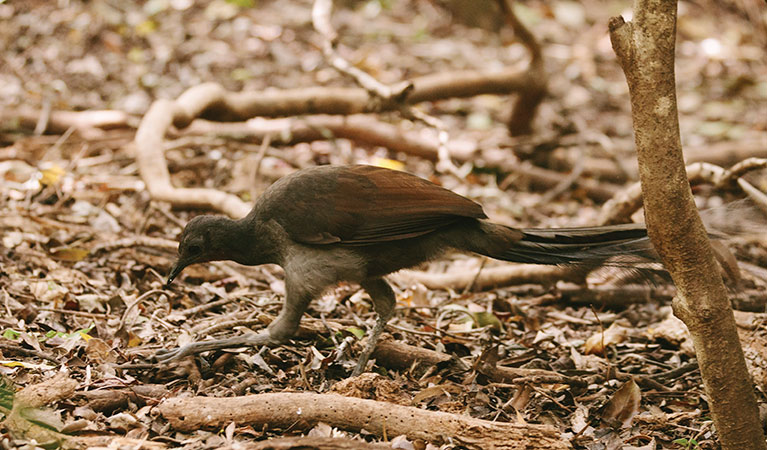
[361, 205]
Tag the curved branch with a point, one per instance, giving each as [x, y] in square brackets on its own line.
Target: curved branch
[620, 208]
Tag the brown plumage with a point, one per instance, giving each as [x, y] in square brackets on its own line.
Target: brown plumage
[358, 223]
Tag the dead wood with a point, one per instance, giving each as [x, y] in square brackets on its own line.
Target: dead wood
[302, 411]
[628, 201]
[728, 152]
[369, 131]
[526, 105]
[211, 101]
[31, 399]
[545, 179]
[89, 123]
[754, 300]
[490, 277]
[110, 400]
[321, 13]
[116, 441]
[362, 129]
[397, 355]
[316, 443]
[615, 297]
[49, 391]
[645, 50]
[378, 91]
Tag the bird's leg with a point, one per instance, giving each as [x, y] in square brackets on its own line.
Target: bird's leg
[279, 331]
[383, 303]
[248, 340]
[296, 301]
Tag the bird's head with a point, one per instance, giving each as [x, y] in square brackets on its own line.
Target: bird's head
[201, 241]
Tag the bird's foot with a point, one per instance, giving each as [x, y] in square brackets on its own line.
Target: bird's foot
[370, 346]
[194, 348]
[164, 356]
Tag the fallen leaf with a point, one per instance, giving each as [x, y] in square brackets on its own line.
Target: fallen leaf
[623, 405]
[596, 344]
[51, 175]
[71, 254]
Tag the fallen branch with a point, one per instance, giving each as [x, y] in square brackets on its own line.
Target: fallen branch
[627, 202]
[727, 153]
[397, 355]
[520, 122]
[491, 277]
[359, 128]
[321, 13]
[545, 179]
[36, 397]
[317, 443]
[212, 101]
[88, 123]
[302, 411]
[378, 91]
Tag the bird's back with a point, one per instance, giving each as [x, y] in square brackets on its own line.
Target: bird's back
[359, 205]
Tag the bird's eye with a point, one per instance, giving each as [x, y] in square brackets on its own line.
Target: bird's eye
[194, 249]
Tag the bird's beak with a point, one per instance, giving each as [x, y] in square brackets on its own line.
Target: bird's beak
[175, 271]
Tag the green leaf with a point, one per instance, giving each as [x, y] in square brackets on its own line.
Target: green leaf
[11, 334]
[357, 332]
[484, 319]
[241, 74]
[7, 391]
[686, 443]
[242, 3]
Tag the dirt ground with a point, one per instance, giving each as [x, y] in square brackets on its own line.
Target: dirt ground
[85, 248]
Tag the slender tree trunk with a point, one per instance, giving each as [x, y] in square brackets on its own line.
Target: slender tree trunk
[645, 49]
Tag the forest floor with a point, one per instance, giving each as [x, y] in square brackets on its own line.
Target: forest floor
[85, 249]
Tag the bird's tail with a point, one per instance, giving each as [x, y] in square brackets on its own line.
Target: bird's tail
[624, 247]
[613, 245]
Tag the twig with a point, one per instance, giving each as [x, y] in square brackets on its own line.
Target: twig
[623, 205]
[143, 241]
[321, 18]
[140, 299]
[14, 347]
[754, 194]
[205, 307]
[565, 184]
[321, 12]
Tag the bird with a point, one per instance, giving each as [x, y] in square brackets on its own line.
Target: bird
[358, 223]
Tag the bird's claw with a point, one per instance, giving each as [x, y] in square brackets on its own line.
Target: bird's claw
[164, 356]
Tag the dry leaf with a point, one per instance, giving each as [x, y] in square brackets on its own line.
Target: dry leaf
[51, 175]
[595, 345]
[623, 405]
[436, 391]
[388, 163]
[99, 351]
[72, 254]
[673, 331]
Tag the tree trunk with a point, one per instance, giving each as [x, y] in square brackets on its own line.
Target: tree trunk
[645, 49]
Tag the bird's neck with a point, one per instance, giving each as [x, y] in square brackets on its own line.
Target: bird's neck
[250, 242]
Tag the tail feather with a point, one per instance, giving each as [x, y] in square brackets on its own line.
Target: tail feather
[623, 244]
[626, 248]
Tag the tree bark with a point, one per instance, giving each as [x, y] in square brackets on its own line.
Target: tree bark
[302, 411]
[645, 49]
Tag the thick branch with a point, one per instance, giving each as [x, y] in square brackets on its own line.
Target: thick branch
[212, 101]
[492, 277]
[302, 411]
[526, 105]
